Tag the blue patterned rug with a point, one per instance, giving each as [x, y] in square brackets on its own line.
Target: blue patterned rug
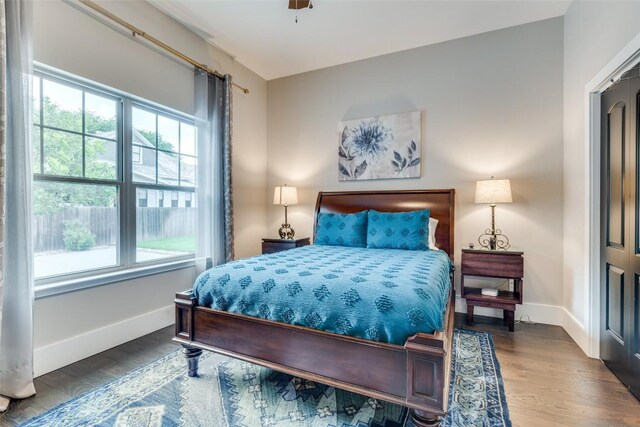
[232, 393]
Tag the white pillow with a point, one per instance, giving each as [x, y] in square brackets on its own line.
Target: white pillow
[433, 223]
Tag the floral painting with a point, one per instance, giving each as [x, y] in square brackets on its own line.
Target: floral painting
[380, 147]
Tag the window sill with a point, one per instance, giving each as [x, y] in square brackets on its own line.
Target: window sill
[62, 287]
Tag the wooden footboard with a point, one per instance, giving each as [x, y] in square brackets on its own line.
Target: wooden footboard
[415, 375]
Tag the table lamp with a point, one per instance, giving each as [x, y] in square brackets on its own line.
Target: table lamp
[493, 191]
[285, 196]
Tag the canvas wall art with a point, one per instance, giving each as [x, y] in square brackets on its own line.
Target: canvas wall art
[381, 147]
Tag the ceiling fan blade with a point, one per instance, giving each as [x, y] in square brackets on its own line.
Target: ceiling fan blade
[298, 4]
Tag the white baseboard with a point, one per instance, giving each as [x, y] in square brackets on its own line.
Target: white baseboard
[62, 353]
[539, 313]
[576, 331]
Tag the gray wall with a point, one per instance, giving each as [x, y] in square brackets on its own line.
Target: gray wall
[492, 105]
[69, 40]
[594, 32]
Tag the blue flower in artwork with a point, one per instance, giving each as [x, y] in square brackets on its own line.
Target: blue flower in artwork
[370, 139]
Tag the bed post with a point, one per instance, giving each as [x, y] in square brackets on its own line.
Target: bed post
[429, 370]
[423, 419]
[185, 303]
[192, 355]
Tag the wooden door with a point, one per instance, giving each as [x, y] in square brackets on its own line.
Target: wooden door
[620, 287]
[633, 297]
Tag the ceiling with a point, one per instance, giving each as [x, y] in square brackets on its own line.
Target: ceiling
[263, 34]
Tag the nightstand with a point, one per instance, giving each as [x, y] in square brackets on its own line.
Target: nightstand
[270, 246]
[497, 264]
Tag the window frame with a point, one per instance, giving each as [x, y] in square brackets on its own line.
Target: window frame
[127, 266]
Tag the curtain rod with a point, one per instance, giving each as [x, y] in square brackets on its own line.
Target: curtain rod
[138, 32]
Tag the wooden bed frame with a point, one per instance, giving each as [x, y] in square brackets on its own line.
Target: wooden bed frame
[415, 375]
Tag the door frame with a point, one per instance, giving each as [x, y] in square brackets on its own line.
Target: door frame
[610, 73]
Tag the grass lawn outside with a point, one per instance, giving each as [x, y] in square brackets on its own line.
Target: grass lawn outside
[172, 244]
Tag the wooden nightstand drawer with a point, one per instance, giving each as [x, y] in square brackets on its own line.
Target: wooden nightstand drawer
[270, 246]
[509, 265]
[498, 264]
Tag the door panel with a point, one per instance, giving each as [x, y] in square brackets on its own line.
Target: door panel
[636, 320]
[615, 303]
[616, 174]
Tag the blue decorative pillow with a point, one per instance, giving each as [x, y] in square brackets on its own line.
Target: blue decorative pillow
[342, 229]
[398, 230]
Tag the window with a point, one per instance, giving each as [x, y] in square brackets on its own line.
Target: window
[94, 150]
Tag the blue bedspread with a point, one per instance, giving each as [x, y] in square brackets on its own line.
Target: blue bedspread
[383, 295]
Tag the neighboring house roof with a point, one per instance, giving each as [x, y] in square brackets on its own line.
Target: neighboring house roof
[145, 171]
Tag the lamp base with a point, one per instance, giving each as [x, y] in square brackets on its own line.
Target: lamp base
[494, 240]
[286, 232]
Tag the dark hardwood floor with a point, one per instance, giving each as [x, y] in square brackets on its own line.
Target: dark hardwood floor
[59, 386]
[548, 380]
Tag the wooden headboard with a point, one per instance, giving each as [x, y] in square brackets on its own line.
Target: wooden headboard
[439, 202]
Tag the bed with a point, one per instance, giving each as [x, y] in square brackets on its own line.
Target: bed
[407, 367]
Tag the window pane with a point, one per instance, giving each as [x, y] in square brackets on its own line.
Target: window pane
[144, 123]
[167, 168]
[145, 171]
[187, 171]
[136, 155]
[35, 147]
[62, 106]
[101, 159]
[100, 116]
[62, 153]
[168, 134]
[36, 99]
[75, 227]
[143, 198]
[187, 139]
[163, 232]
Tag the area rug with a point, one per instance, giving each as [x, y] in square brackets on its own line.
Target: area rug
[232, 393]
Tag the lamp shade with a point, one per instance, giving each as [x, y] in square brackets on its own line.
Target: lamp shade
[493, 191]
[286, 196]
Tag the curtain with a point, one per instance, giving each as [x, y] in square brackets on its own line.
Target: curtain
[16, 265]
[213, 102]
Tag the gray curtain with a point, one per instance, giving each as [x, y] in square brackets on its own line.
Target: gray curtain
[16, 274]
[214, 122]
